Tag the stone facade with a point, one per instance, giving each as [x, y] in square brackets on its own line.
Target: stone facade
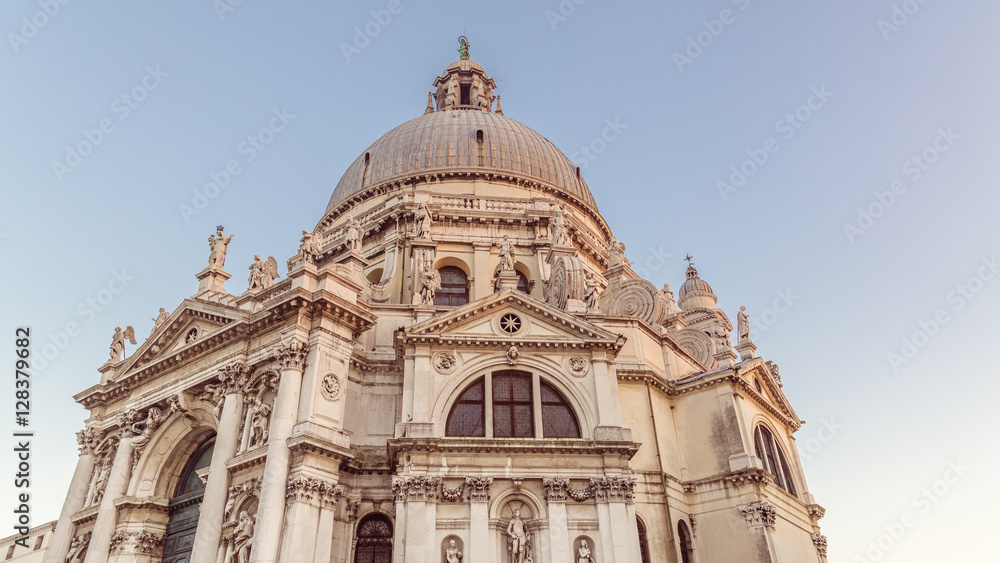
[460, 364]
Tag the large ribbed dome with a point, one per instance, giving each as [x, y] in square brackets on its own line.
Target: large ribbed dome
[467, 140]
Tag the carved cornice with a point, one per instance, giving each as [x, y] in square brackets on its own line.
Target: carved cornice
[816, 511]
[749, 476]
[614, 489]
[759, 514]
[419, 488]
[624, 450]
[88, 439]
[136, 542]
[479, 488]
[292, 355]
[555, 489]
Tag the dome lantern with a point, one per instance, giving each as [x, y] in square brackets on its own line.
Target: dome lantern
[695, 293]
[464, 85]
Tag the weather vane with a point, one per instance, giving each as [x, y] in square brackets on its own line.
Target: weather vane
[463, 47]
[688, 258]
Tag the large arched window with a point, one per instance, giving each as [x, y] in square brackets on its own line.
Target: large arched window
[769, 451]
[684, 538]
[643, 541]
[454, 287]
[184, 508]
[374, 540]
[512, 404]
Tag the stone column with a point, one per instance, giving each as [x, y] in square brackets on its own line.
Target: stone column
[79, 486]
[206, 539]
[329, 498]
[302, 495]
[399, 532]
[121, 469]
[555, 495]
[613, 494]
[479, 518]
[271, 510]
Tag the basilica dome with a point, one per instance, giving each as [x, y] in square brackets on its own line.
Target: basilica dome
[463, 136]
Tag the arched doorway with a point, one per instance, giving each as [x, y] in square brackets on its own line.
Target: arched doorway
[184, 507]
[374, 540]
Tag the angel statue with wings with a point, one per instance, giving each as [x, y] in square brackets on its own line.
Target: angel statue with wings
[263, 274]
[118, 342]
[219, 244]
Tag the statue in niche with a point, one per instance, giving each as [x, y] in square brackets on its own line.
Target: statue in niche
[453, 554]
[590, 293]
[743, 323]
[259, 422]
[560, 234]
[430, 282]
[160, 319]
[423, 220]
[518, 543]
[118, 342]
[263, 274]
[508, 255]
[104, 472]
[77, 546]
[243, 538]
[311, 247]
[353, 234]
[583, 554]
[219, 245]
[668, 299]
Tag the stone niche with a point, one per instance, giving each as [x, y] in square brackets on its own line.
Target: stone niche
[452, 553]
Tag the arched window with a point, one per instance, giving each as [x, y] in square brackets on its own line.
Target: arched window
[454, 287]
[769, 451]
[684, 538]
[374, 540]
[184, 508]
[468, 416]
[522, 283]
[504, 404]
[643, 541]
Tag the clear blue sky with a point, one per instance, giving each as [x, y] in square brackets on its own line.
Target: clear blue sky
[923, 87]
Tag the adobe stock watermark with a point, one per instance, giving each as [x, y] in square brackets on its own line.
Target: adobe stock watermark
[30, 26]
[588, 153]
[563, 11]
[656, 259]
[957, 297]
[86, 311]
[225, 7]
[122, 107]
[922, 502]
[697, 43]
[783, 301]
[899, 16]
[811, 446]
[786, 127]
[249, 149]
[364, 33]
[913, 169]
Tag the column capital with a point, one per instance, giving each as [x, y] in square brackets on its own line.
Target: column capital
[614, 489]
[136, 542]
[419, 488]
[233, 377]
[88, 439]
[759, 514]
[555, 489]
[479, 488]
[311, 490]
[292, 355]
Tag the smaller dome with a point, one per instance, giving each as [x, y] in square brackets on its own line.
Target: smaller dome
[695, 293]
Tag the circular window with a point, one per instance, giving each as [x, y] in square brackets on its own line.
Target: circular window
[510, 323]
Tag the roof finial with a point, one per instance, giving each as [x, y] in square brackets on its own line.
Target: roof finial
[689, 259]
[463, 47]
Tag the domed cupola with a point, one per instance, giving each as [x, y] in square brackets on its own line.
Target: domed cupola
[695, 293]
[463, 85]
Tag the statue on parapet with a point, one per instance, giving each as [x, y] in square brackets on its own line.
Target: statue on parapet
[219, 245]
[312, 246]
[118, 342]
[263, 274]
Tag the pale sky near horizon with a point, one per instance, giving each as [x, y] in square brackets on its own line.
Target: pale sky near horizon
[872, 215]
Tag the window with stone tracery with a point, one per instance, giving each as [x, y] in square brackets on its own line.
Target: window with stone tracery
[374, 540]
[512, 404]
[768, 450]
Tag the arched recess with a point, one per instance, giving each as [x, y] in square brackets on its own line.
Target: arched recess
[685, 543]
[581, 403]
[373, 539]
[184, 507]
[163, 459]
[643, 541]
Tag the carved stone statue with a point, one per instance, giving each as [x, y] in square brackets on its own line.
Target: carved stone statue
[118, 342]
[428, 283]
[104, 472]
[513, 356]
[668, 300]
[560, 233]
[259, 423]
[144, 429]
[508, 254]
[517, 539]
[219, 245]
[463, 48]
[590, 293]
[453, 554]
[722, 338]
[311, 247]
[353, 233]
[423, 221]
[263, 274]
[243, 538]
[78, 544]
[743, 323]
[583, 553]
[616, 252]
[160, 319]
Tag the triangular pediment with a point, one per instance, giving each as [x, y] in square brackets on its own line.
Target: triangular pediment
[190, 324]
[481, 321]
[771, 391]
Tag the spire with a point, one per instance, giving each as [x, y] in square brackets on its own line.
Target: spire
[430, 103]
